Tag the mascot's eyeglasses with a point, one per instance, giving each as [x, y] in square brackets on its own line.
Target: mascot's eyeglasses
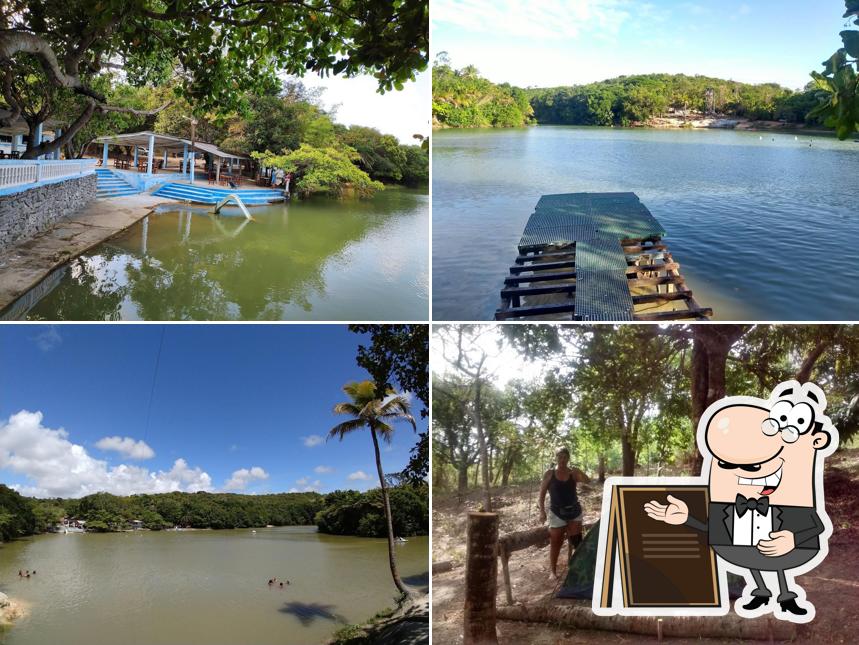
[789, 434]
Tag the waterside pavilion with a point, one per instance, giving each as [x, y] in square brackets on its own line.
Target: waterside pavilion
[157, 150]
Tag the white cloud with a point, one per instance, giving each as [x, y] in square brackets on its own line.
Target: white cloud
[242, 477]
[313, 440]
[323, 470]
[744, 9]
[306, 486]
[126, 446]
[233, 448]
[48, 338]
[59, 468]
[548, 19]
[358, 475]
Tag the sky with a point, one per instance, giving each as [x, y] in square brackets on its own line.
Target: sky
[234, 408]
[547, 43]
[401, 113]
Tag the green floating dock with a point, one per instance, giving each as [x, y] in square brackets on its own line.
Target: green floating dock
[575, 246]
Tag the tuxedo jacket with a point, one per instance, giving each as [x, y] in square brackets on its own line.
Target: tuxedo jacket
[802, 521]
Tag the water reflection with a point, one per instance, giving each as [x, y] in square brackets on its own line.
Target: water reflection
[318, 260]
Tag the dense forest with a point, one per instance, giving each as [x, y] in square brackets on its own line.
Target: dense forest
[624, 399]
[334, 513]
[348, 512]
[462, 99]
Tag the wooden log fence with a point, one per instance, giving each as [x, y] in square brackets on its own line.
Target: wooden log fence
[481, 613]
[730, 626]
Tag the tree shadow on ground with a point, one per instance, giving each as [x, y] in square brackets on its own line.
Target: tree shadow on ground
[419, 581]
[307, 613]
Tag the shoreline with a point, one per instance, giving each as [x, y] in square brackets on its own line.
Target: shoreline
[743, 125]
[25, 265]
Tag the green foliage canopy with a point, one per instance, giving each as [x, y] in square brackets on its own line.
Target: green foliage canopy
[327, 171]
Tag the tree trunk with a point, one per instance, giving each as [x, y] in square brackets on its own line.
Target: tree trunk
[628, 455]
[392, 559]
[50, 146]
[730, 627]
[710, 349]
[484, 453]
[804, 373]
[462, 482]
[481, 574]
[601, 469]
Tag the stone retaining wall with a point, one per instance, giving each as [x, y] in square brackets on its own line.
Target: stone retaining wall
[24, 214]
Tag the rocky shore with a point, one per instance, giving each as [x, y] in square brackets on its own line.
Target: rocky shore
[9, 610]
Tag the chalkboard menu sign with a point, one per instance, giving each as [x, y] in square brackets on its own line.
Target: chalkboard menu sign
[661, 565]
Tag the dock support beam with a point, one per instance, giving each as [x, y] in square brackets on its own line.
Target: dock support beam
[150, 154]
[184, 158]
[135, 156]
[104, 156]
[191, 158]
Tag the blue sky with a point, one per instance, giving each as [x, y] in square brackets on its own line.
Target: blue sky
[241, 408]
[562, 42]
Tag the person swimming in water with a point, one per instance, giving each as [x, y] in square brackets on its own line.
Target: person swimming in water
[281, 585]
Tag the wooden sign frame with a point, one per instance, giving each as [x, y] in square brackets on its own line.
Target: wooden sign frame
[614, 550]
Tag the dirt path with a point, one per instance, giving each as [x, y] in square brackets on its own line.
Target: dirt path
[833, 587]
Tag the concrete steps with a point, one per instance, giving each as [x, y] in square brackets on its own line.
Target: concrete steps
[110, 185]
[206, 195]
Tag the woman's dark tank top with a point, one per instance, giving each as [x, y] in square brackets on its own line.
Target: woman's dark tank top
[563, 498]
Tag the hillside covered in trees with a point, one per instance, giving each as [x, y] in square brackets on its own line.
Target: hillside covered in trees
[21, 516]
[462, 98]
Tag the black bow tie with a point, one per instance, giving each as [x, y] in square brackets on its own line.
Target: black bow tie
[761, 505]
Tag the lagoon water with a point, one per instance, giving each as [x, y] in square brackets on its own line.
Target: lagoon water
[322, 259]
[765, 226]
[200, 587]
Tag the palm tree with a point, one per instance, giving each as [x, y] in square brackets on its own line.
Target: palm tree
[375, 414]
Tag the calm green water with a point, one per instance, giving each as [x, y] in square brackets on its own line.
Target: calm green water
[764, 226]
[319, 260]
[199, 587]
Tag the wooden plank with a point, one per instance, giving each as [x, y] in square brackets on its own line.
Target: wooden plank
[510, 292]
[661, 297]
[651, 282]
[545, 266]
[680, 314]
[521, 259]
[536, 310]
[638, 248]
[641, 268]
[519, 279]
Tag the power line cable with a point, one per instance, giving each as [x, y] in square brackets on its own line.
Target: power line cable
[154, 380]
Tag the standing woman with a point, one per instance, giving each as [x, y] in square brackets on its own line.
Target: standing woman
[565, 512]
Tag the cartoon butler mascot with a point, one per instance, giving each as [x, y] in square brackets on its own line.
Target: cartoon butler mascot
[766, 513]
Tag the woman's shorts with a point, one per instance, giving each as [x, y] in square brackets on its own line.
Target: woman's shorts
[556, 522]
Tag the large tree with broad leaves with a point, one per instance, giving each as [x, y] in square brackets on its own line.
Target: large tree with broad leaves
[215, 51]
